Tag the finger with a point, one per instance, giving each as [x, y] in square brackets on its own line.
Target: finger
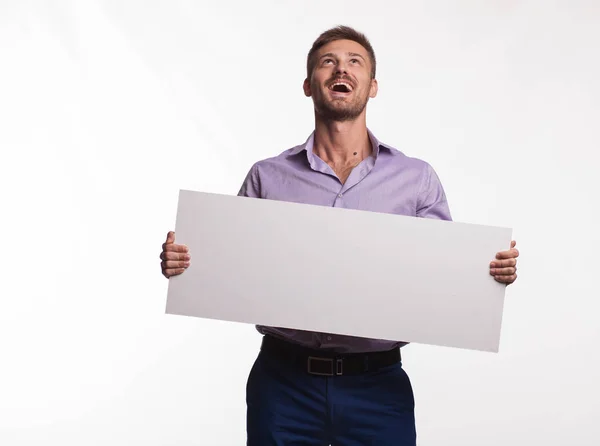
[506, 279]
[170, 237]
[172, 247]
[503, 271]
[513, 244]
[170, 255]
[168, 264]
[512, 262]
[511, 253]
[173, 272]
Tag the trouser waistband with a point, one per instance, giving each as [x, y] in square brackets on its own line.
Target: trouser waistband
[328, 363]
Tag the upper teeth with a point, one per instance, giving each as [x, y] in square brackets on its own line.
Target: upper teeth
[345, 84]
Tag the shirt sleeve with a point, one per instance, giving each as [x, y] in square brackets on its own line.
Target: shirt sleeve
[251, 185]
[432, 202]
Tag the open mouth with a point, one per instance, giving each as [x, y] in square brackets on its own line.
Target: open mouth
[341, 87]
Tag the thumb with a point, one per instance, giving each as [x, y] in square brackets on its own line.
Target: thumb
[170, 237]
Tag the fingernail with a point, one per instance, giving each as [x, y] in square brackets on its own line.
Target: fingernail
[492, 265]
[186, 264]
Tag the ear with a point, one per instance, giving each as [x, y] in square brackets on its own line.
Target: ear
[306, 88]
[374, 88]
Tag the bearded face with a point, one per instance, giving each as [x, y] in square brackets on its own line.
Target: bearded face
[341, 83]
[340, 99]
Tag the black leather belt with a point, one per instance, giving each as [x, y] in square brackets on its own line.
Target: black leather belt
[327, 363]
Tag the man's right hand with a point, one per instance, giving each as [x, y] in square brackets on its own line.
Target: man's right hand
[175, 258]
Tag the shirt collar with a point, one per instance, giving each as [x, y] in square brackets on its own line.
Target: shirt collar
[309, 144]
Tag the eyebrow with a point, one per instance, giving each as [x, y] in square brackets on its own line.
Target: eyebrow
[356, 55]
[349, 54]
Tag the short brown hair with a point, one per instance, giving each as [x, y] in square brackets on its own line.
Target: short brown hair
[339, 33]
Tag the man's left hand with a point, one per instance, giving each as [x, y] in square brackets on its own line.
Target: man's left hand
[504, 268]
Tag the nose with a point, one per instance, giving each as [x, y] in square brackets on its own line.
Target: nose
[341, 68]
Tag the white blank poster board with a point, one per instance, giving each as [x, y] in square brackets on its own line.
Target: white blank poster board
[338, 271]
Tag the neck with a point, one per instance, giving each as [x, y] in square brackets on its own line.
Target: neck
[340, 143]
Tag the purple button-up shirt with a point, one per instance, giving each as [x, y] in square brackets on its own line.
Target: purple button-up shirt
[387, 181]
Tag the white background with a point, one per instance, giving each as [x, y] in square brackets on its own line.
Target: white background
[107, 108]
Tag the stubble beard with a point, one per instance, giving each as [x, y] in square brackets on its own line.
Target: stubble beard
[339, 110]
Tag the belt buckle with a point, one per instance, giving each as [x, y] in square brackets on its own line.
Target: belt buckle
[339, 370]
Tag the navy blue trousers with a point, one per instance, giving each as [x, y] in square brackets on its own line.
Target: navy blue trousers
[286, 406]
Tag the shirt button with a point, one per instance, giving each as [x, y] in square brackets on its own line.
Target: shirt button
[329, 338]
[340, 195]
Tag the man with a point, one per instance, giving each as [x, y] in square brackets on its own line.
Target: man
[318, 388]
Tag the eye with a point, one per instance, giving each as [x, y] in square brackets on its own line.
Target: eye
[327, 60]
[354, 61]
